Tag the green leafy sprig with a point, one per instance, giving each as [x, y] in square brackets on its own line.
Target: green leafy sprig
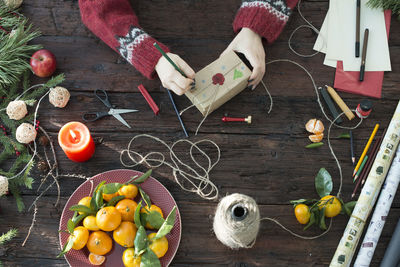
[317, 207]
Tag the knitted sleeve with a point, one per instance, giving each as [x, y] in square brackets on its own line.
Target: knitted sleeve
[114, 22]
[265, 17]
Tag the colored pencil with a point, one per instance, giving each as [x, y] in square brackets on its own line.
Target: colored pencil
[366, 148]
[177, 112]
[361, 168]
[353, 157]
[169, 59]
[367, 166]
[375, 153]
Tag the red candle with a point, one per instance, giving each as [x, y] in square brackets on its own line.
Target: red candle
[76, 141]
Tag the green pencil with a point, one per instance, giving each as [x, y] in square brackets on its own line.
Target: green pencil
[360, 169]
[169, 59]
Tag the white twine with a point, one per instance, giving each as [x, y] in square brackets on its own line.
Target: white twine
[187, 177]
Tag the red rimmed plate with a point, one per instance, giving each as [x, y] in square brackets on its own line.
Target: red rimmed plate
[159, 195]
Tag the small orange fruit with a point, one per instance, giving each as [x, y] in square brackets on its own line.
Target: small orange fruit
[332, 206]
[315, 126]
[125, 234]
[80, 237]
[96, 259]
[90, 223]
[108, 197]
[99, 243]
[127, 209]
[302, 213]
[85, 202]
[108, 218]
[129, 191]
[146, 210]
[129, 259]
[315, 138]
[158, 246]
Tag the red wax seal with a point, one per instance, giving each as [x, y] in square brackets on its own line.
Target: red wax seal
[218, 79]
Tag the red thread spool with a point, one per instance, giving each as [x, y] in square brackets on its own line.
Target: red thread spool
[364, 109]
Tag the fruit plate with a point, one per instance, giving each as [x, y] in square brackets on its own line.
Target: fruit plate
[159, 195]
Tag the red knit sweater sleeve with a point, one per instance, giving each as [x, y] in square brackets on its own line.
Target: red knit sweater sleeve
[265, 17]
[114, 22]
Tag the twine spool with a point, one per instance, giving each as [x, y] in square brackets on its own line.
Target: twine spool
[237, 221]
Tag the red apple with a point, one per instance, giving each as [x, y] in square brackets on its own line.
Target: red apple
[43, 63]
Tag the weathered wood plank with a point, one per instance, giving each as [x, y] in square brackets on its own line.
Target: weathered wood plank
[197, 219]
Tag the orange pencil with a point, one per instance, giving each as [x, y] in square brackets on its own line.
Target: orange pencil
[371, 138]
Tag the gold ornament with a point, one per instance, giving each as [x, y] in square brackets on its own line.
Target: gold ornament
[59, 96]
[16, 110]
[13, 4]
[25, 133]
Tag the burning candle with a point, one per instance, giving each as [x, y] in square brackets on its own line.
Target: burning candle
[76, 141]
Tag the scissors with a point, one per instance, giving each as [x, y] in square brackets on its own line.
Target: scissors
[103, 97]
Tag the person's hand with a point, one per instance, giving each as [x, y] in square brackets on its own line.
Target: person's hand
[171, 78]
[250, 44]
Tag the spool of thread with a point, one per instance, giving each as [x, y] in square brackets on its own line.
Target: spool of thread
[237, 221]
[364, 109]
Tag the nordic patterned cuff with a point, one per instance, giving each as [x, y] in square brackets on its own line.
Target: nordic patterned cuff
[266, 17]
[138, 49]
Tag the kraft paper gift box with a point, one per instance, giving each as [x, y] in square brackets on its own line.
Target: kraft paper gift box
[218, 82]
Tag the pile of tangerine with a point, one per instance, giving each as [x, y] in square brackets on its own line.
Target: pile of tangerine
[119, 220]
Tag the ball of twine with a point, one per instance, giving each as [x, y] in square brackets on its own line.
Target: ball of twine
[13, 4]
[59, 96]
[237, 221]
[3, 185]
[16, 110]
[25, 133]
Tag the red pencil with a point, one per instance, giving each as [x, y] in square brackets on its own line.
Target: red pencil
[149, 100]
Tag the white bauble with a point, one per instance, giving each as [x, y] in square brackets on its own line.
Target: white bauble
[16, 110]
[25, 133]
[3, 185]
[13, 4]
[59, 96]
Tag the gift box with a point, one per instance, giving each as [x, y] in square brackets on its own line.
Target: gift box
[218, 82]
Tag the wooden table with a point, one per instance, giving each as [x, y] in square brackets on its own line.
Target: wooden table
[266, 160]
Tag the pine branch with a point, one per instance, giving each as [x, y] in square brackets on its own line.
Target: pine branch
[17, 195]
[393, 5]
[14, 48]
[4, 238]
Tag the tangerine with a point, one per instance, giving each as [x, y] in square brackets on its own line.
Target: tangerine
[315, 126]
[129, 191]
[85, 202]
[125, 234]
[129, 259]
[158, 246]
[99, 243]
[108, 197]
[127, 209]
[80, 237]
[315, 138]
[146, 210]
[90, 223]
[108, 218]
[96, 259]
[332, 205]
[302, 213]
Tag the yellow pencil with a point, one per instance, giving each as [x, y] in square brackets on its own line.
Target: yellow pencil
[366, 149]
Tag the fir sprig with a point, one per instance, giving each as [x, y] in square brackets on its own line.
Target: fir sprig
[14, 48]
[4, 238]
[393, 5]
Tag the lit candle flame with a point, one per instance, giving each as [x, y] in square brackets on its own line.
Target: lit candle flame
[72, 134]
